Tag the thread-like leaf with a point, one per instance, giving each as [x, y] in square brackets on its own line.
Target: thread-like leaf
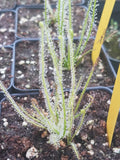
[72, 92]
[42, 71]
[83, 91]
[74, 147]
[84, 27]
[58, 74]
[19, 110]
[89, 29]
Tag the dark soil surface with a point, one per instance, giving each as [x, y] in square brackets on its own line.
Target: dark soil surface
[16, 139]
[7, 28]
[5, 65]
[7, 4]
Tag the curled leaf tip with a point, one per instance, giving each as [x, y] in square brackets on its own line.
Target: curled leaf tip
[71, 32]
[82, 111]
[59, 37]
[41, 24]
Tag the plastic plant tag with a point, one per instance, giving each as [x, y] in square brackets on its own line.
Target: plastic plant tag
[114, 108]
[106, 14]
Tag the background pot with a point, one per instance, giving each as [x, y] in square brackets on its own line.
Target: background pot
[114, 62]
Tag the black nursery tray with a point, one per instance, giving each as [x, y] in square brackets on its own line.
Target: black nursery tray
[32, 63]
[19, 60]
[25, 60]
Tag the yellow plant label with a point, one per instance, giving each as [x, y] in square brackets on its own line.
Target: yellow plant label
[106, 14]
[114, 108]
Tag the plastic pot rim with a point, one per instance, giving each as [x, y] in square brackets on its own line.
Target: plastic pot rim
[65, 90]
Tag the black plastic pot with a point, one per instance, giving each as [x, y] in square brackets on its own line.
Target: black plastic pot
[33, 42]
[17, 42]
[2, 97]
[112, 48]
[114, 62]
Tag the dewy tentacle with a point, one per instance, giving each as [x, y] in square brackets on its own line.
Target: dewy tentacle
[42, 72]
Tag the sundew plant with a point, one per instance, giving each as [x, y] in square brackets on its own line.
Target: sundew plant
[62, 112]
[65, 116]
[63, 16]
